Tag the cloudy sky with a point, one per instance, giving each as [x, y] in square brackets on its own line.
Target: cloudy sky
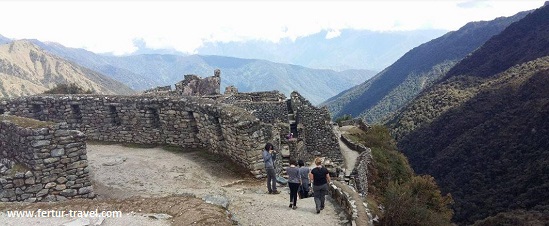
[104, 26]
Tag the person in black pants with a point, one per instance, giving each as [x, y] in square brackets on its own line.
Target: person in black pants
[321, 178]
[293, 182]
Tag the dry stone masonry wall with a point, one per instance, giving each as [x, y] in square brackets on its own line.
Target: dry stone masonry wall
[317, 132]
[45, 164]
[189, 122]
[362, 165]
[236, 125]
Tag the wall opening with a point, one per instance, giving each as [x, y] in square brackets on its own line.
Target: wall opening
[115, 118]
[76, 113]
[192, 121]
[153, 118]
[218, 130]
[1, 111]
[36, 111]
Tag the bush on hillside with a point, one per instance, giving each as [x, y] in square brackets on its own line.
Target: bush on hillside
[64, 88]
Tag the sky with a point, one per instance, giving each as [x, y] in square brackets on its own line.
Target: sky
[118, 26]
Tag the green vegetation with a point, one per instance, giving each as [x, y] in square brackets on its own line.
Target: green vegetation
[519, 217]
[26, 122]
[408, 199]
[483, 130]
[71, 88]
[343, 118]
[18, 168]
[416, 202]
[394, 87]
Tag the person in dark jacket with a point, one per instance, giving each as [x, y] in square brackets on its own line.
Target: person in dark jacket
[269, 156]
[304, 176]
[321, 178]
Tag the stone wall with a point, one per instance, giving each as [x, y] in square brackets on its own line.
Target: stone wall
[189, 122]
[361, 170]
[47, 164]
[317, 132]
[267, 112]
[358, 122]
[355, 209]
[269, 107]
[159, 90]
[237, 128]
[267, 96]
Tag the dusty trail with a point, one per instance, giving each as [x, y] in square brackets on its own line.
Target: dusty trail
[141, 181]
[350, 156]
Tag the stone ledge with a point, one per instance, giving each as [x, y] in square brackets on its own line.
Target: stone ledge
[356, 211]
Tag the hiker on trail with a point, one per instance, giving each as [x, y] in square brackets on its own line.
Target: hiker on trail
[269, 156]
[321, 178]
[304, 178]
[293, 183]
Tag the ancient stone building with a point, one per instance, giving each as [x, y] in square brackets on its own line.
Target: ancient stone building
[236, 126]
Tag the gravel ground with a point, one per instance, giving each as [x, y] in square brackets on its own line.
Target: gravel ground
[141, 181]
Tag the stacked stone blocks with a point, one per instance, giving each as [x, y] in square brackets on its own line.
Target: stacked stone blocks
[52, 163]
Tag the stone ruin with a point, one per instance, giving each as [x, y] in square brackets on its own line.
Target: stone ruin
[192, 85]
[235, 125]
[43, 164]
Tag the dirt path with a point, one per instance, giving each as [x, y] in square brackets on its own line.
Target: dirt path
[160, 178]
[349, 155]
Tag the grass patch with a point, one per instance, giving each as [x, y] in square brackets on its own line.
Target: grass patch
[18, 168]
[134, 145]
[373, 206]
[26, 122]
[353, 138]
[129, 145]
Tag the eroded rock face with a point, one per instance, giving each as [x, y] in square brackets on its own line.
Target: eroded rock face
[194, 85]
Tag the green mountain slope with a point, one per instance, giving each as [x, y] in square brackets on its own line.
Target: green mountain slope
[395, 86]
[483, 130]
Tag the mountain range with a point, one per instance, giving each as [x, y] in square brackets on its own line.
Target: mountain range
[141, 72]
[379, 97]
[25, 69]
[482, 129]
[470, 107]
[348, 49]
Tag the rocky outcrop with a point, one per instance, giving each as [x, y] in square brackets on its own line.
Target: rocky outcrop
[193, 85]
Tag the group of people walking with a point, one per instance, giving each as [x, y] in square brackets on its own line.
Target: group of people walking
[299, 179]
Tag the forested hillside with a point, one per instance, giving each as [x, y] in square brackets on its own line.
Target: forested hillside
[483, 130]
[399, 83]
[406, 198]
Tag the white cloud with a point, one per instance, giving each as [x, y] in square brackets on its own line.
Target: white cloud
[333, 34]
[113, 26]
